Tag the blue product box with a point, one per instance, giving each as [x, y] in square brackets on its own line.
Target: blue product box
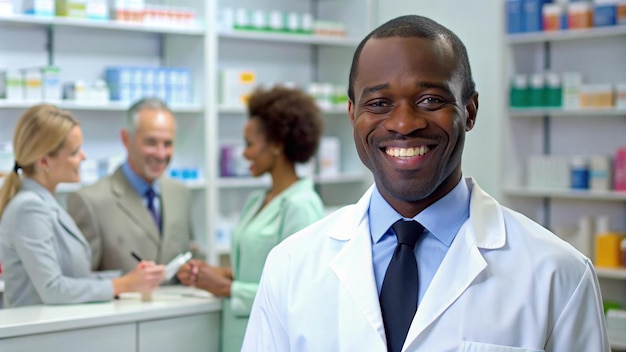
[514, 16]
[532, 14]
[45, 8]
[118, 80]
[605, 15]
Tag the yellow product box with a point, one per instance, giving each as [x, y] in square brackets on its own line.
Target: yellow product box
[596, 96]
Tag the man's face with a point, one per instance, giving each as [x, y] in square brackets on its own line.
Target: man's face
[150, 149]
[409, 120]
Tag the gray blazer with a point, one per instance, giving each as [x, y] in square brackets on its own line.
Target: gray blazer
[115, 221]
[45, 258]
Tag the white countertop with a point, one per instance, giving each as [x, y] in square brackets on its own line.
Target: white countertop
[167, 301]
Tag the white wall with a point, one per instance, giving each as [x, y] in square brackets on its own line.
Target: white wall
[480, 25]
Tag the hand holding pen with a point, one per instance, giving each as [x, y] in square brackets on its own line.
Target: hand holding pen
[147, 275]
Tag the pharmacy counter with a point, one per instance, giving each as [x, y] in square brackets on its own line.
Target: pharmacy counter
[177, 319]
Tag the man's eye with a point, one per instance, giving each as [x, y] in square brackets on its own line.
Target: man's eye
[431, 102]
[379, 104]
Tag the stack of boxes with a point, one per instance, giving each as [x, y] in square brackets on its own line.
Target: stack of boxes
[566, 90]
[547, 15]
[127, 84]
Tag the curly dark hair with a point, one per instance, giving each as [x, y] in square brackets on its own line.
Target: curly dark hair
[288, 117]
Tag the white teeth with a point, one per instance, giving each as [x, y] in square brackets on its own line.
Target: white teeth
[407, 152]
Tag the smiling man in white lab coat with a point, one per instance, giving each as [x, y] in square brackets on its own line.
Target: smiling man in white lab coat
[489, 279]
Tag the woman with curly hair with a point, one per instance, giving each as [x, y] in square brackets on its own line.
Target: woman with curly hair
[284, 128]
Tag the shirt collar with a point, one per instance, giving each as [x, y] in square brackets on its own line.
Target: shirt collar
[453, 207]
[138, 183]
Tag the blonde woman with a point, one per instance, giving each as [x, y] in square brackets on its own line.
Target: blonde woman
[45, 257]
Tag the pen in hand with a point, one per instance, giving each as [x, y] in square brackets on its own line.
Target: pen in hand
[136, 256]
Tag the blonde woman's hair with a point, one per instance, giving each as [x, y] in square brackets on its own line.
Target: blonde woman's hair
[40, 131]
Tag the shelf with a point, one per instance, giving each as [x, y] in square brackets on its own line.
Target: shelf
[103, 24]
[290, 38]
[238, 110]
[73, 187]
[558, 112]
[566, 194]
[110, 106]
[571, 34]
[611, 273]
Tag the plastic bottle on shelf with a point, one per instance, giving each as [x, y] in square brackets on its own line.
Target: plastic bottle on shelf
[536, 92]
[553, 90]
[553, 15]
[579, 169]
[608, 242]
[579, 15]
[518, 97]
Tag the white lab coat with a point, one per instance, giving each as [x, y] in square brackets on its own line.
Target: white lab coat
[506, 284]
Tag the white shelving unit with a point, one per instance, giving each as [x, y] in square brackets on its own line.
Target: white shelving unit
[83, 48]
[279, 58]
[599, 54]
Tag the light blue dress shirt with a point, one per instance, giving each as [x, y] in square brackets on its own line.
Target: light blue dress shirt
[441, 220]
[141, 186]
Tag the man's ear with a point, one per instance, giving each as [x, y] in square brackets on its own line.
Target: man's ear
[351, 112]
[124, 137]
[471, 108]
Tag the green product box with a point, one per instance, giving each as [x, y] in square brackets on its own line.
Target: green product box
[71, 8]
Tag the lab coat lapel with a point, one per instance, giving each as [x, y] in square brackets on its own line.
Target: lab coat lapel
[463, 263]
[131, 204]
[457, 271]
[358, 294]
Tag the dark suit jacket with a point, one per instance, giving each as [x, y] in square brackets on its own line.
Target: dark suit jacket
[115, 221]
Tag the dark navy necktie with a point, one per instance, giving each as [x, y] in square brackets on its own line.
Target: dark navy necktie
[150, 195]
[398, 296]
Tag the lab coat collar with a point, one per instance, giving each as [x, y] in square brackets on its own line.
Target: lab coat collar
[463, 263]
[486, 218]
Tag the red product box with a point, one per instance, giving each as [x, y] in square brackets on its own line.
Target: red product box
[619, 177]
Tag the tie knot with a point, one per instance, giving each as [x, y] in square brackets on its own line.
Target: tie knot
[150, 194]
[407, 231]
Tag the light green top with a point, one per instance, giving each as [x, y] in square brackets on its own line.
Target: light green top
[254, 236]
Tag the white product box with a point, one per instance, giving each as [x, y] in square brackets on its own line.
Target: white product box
[329, 156]
[235, 86]
[11, 87]
[600, 172]
[6, 8]
[32, 79]
[97, 9]
[571, 83]
[551, 172]
[51, 83]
